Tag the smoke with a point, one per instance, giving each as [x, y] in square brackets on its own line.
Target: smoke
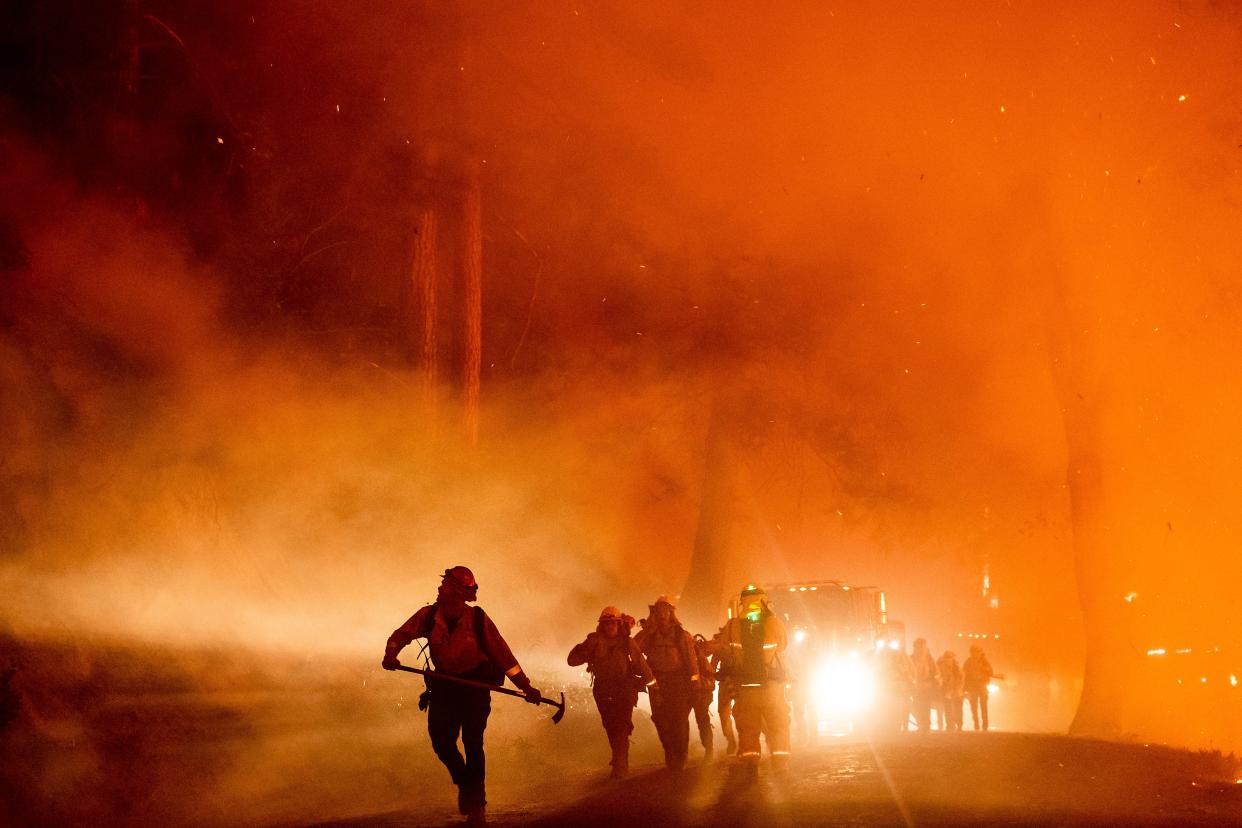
[875, 242]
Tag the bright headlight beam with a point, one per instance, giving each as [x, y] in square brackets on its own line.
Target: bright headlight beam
[844, 686]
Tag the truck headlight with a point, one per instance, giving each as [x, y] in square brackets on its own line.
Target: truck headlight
[844, 685]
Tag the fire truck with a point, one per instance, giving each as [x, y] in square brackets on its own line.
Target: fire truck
[838, 635]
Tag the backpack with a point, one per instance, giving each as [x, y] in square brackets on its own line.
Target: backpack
[487, 671]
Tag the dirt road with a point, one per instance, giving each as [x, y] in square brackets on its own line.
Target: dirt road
[938, 780]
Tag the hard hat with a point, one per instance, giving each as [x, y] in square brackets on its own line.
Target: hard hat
[462, 577]
[610, 614]
[753, 591]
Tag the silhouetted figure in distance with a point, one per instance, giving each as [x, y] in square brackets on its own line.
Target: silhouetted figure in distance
[951, 691]
[926, 684]
[976, 673]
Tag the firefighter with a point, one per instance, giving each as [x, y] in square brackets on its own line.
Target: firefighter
[951, 692]
[898, 674]
[799, 663]
[465, 643]
[976, 674]
[724, 691]
[703, 697]
[670, 653]
[926, 684]
[755, 640]
[618, 671]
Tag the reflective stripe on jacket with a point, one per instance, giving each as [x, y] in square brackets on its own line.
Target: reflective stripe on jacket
[772, 641]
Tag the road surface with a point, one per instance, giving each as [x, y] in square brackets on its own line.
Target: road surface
[936, 780]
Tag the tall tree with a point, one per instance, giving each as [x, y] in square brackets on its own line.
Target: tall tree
[1081, 382]
[709, 562]
[473, 303]
[425, 277]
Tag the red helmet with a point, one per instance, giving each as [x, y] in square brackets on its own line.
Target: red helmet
[462, 577]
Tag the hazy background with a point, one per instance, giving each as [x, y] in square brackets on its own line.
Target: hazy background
[893, 254]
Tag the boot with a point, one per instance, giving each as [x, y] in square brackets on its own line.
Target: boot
[472, 801]
[620, 755]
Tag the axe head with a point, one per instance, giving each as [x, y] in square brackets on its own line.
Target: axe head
[560, 711]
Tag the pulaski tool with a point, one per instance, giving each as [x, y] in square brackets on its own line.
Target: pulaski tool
[482, 685]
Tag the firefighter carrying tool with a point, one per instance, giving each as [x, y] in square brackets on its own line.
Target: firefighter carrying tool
[471, 660]
[491, 688]
[752, 643]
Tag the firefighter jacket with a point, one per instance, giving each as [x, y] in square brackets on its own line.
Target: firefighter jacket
[951, 677]
[976, 673]
[615, 664]
[751, 651]
[468, 645]
[670, 651]
[925, 673]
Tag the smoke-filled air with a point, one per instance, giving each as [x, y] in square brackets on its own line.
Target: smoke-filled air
[306, 303]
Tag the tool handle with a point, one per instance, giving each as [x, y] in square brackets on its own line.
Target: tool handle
[482, 685]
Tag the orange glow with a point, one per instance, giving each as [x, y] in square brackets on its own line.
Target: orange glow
[633, 299]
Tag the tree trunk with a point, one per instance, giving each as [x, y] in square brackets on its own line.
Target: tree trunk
[1079, 373]
[709, 564]
[425, 278]
[473, 362]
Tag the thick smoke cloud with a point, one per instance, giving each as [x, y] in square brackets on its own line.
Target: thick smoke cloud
[927, 267]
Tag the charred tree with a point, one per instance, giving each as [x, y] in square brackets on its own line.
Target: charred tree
[472, 364]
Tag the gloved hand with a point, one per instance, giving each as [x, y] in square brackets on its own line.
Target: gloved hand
[390, 663]
[523, 683]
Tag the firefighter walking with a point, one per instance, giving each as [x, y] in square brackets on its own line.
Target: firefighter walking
[464, 643]
[952, 684]
[754, 641]
[670, 653]
[724, 690]
[618, 671]
[703, 696]
[926, 685]
[976, 674]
